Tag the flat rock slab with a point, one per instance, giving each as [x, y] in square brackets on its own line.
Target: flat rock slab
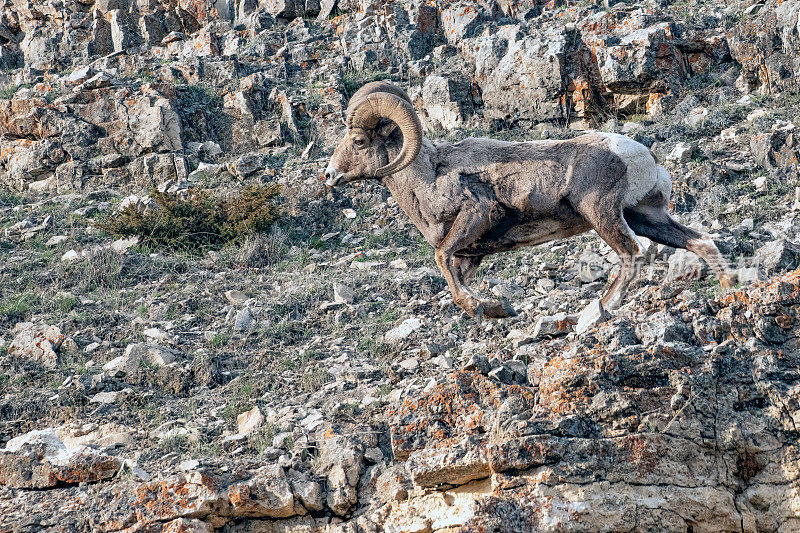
[404, 330]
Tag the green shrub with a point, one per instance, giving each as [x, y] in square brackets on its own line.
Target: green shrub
[199, 220]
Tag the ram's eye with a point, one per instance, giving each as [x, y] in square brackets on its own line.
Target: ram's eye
[360, 142]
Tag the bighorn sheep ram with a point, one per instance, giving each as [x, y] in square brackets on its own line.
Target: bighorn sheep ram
[482, 196]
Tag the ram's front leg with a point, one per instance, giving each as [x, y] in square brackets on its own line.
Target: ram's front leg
[462, 295]
[465, 268]
[467, 228]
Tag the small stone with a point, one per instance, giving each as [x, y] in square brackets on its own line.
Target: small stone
[122, 245]
[71, 255]
[135, 353]
[373, 455]
[555, 325]
[696, 116]
[189, 465]
[55, 240]
[349, 213]
[778, 256]
[249, 421]
[236, 297]
[410, 364]
[747, 275]
[745, 226]
[506, 290]
[233, 441]
[677, 401]
[519, 337]
[80, 75]
[98, 81]
[121, 365]
[342, 293]
[309, 493]
[92, 346]
[684, 265]
[104, 397]
[244, 320]
[502, 374]
[443, 361]
[478, 362]
[312, 421]
[153, 354]
[399, 264]
[280, 440]
[682, 152]
[591, 316]
[366, 265]
[404, 330]
[131, 468]
[520, 370]
[156, 334]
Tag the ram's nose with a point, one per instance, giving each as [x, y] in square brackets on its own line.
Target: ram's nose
[331, 177]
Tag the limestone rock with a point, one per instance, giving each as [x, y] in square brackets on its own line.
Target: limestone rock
[461, 20]
[779, 255]
[266, 494]
[550, 326]
[36, 342]
[235, 297]
[447, 101]
[189, 495]
[244, 320]
[135, 353]
[249, 421]
[341, 460]
[342, 293]
[527, 81]
[591, 316]
[309, 494]
[404, 330]
[40, 459]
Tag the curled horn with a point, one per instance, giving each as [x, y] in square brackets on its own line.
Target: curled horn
[375, 87]
[370, 109]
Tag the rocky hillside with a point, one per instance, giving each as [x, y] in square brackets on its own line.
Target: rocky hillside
[317, 377]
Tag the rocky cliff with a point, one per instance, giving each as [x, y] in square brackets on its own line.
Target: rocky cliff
[318, 377]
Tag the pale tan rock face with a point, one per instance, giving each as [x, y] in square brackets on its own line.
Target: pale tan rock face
[36, 342]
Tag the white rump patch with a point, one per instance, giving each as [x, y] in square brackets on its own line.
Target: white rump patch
[643, 174]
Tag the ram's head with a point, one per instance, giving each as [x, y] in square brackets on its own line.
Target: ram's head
[379, 118]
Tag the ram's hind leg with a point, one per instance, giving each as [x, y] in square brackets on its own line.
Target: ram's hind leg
[655, 223]
[609, 224]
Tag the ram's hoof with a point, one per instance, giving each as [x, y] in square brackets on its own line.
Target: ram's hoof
[728, 280]
[498, 309]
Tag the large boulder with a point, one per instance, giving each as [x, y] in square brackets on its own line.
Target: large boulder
[41, 460]
[527, 82]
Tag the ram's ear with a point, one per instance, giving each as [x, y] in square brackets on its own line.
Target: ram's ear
[385, 128]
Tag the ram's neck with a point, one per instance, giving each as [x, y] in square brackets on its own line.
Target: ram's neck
[411, 189]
